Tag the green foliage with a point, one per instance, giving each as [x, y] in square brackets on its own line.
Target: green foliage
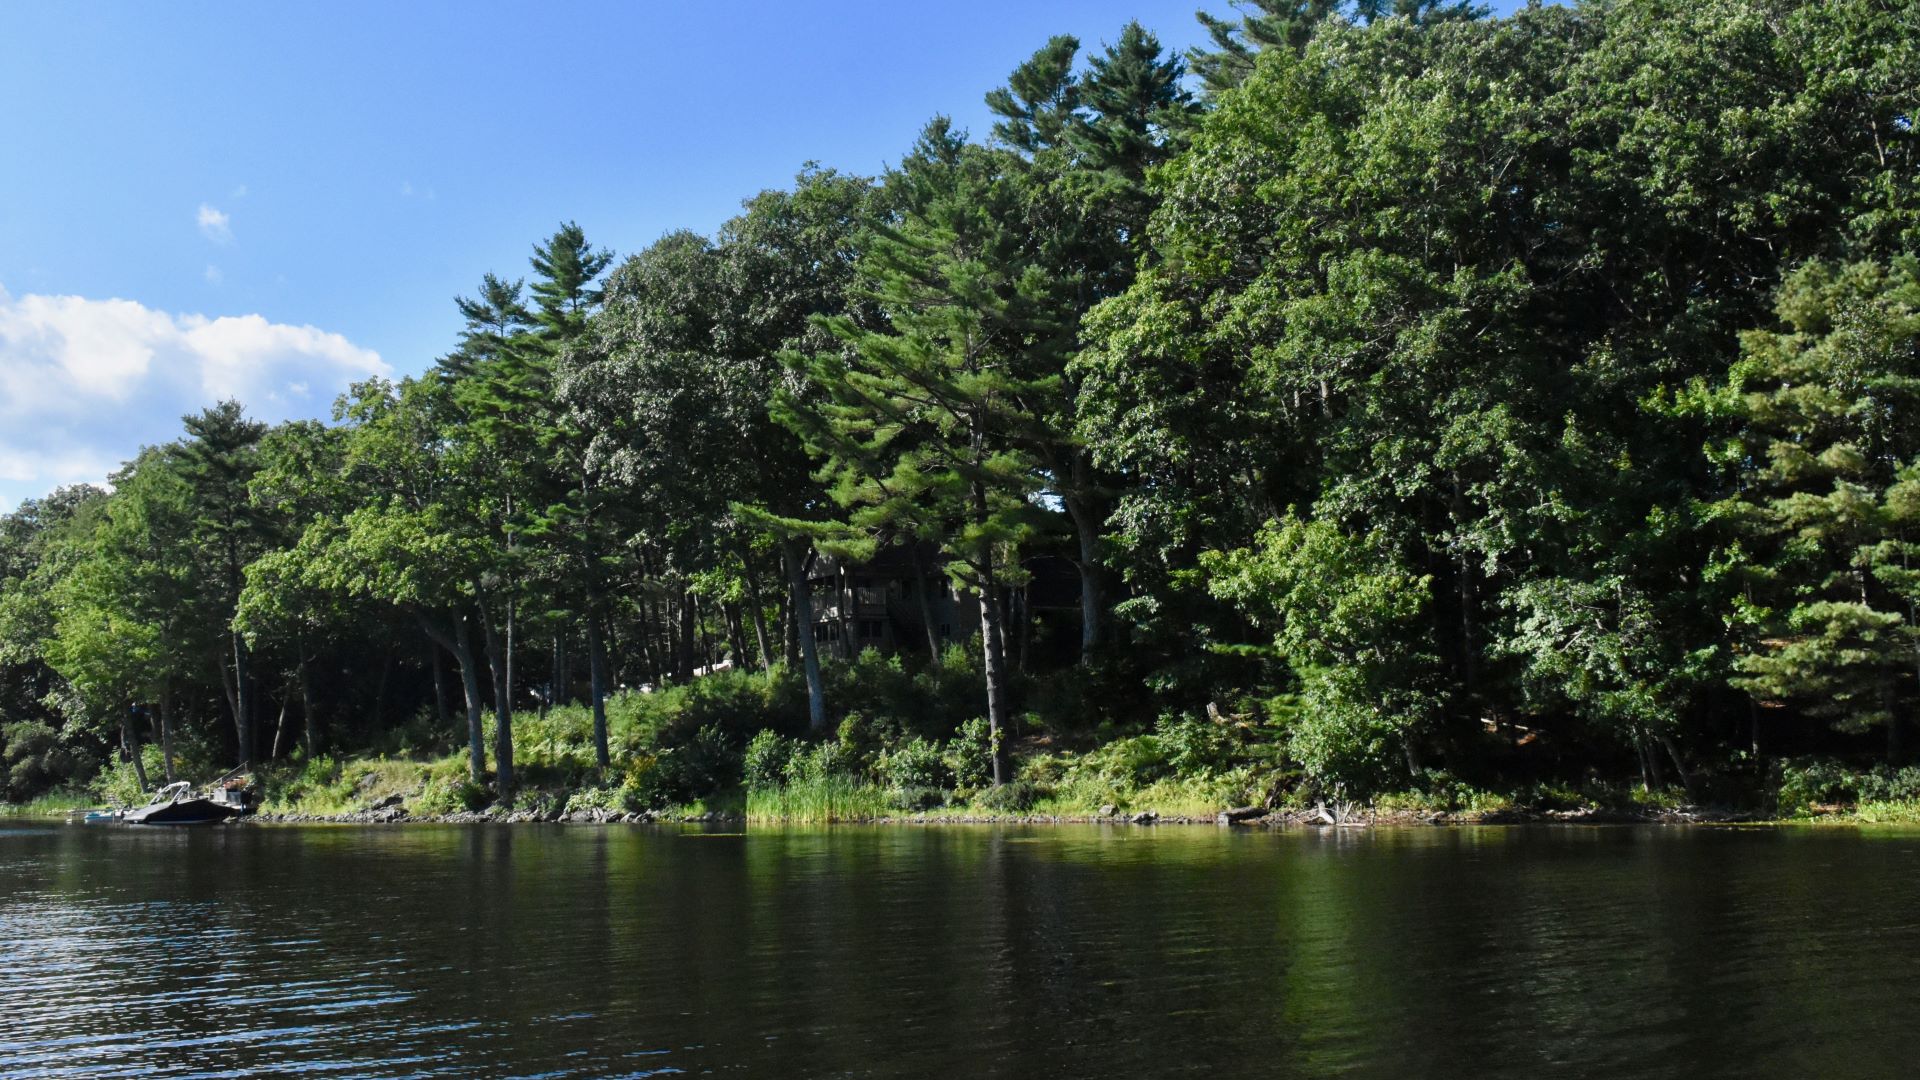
[1013, 797]
[1802, 785]
[603, 799]
[1343, 611]
[819, 798]
[1503, 401]
[450, 793]
[706, 763]
[119, 786]
[970, 755]
[916, 765]
[765, 764]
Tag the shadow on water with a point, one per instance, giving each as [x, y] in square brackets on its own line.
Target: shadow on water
[907, 952]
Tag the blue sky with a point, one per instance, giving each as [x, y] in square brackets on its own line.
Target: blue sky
[270, 200]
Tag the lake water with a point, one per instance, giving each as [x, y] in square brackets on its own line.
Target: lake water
[558, 951]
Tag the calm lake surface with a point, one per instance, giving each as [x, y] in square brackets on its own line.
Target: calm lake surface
[900, 952]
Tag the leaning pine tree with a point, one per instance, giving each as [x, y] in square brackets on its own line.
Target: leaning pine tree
[923, 423]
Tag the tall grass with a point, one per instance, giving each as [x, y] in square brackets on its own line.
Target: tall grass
[52, 804]
[818, 801]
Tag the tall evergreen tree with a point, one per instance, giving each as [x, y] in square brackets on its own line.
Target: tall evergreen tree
[936, 410]
[217, 459]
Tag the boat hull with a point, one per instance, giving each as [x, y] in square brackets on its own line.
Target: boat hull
[183, 812]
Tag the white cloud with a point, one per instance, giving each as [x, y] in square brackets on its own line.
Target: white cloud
[214, 225]
[85, 383]
[240, 192]
[213, 275]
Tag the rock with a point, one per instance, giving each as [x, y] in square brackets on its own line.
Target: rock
[1240, 813]
[1145, 817]
[1109, 810]
[389, 802]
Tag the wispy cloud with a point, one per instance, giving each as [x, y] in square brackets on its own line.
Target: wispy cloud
[85, 383]
[213, 275]
[215, 225]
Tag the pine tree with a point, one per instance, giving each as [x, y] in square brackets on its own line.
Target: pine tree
[930, 418]
[218, 459]
[1290, 24]
[1829, 512]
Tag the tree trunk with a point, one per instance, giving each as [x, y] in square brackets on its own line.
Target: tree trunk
[130, 743]
[703, 635]
[166, 730]
[789, 634]
[802, 603]
[1092, 599]
[279, 727]
[1686, 778]
[226, 687]
[242, 700]
[736, 636]
[993, 644]
[994, 653]
[1653, 773]
[460, 644]
[926, 607]
[843, 596]
[502, 707]
[439, 689]
[597, 679]
[645, 643]
[1023, 602]
[757, 609]
[312, 715]
[683, 644]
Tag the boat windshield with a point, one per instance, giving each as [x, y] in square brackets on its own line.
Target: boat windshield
[170, 792]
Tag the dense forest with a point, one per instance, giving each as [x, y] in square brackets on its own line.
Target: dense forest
[1417, 397]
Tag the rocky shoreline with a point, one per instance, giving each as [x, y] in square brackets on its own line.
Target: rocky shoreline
[394, 813]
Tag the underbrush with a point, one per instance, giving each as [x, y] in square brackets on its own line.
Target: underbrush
[51, 804]
[1804, 788]
[331, 785]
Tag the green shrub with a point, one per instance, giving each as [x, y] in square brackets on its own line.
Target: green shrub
[816, 763]
[916, 764]
[862, 741]
[117, 785]
[912, 799]
[901, 702]
[422, 734]
[764, 766]
[970, 755]
[737, 703]
[1802, 785]
[1198, 746]
[1015, 797]
[594, 798]
[450, 792]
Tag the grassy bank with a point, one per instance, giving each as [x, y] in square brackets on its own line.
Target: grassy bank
[903, 748]
[53, 804]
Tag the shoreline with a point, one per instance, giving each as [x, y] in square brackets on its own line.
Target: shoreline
[1240, 818]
